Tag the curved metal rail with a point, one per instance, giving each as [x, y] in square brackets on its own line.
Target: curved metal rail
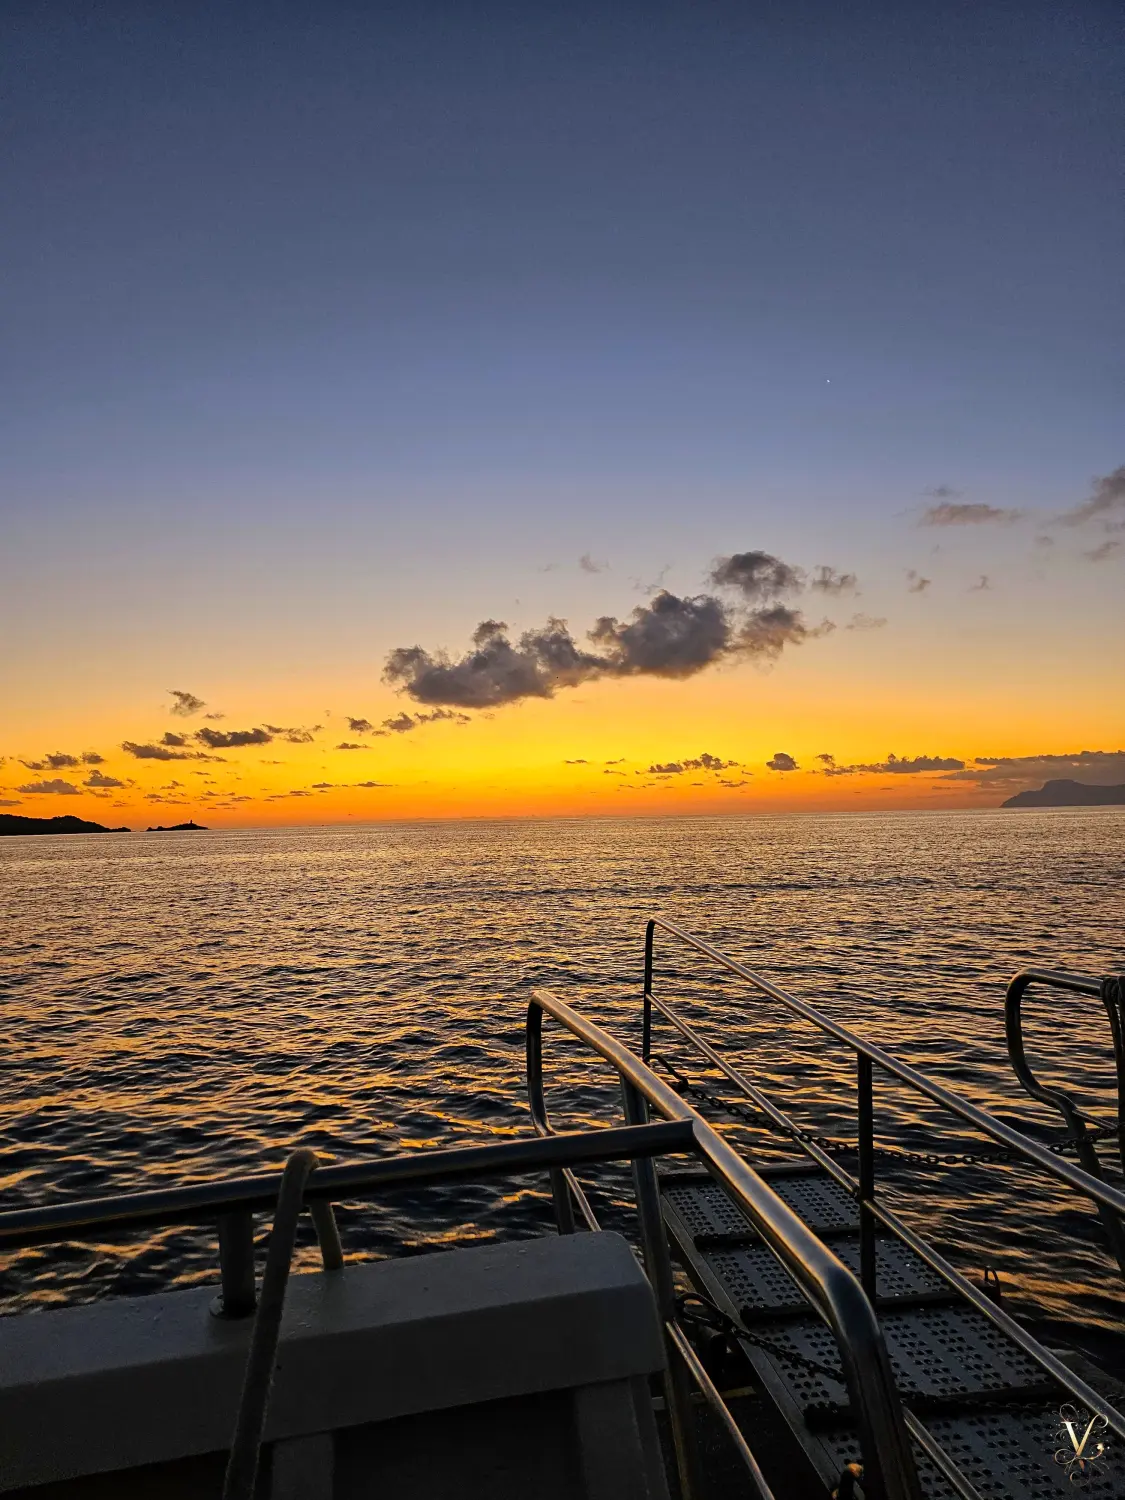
[832, 1290]
[1077, 1121]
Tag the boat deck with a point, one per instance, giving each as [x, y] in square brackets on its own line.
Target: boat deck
[985, 1401]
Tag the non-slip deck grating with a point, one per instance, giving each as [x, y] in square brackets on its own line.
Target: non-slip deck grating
[988, 1404]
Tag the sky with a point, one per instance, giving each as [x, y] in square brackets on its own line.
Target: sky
[434, 411]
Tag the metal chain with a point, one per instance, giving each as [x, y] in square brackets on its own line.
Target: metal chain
[750, 1115]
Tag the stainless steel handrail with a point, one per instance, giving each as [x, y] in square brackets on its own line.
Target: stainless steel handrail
[972, 1294]
[832, 1290]
[987, 1124]
[1077, 1121]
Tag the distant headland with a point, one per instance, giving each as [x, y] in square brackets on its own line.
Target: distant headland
[12, 823]
[1069, 794]
[179, 828]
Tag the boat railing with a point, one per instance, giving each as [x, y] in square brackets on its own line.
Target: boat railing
[1082, 1128]
[827, 1284]
[862, 1187]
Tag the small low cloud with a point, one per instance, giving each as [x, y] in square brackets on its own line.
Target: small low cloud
[866, 622]
[943, 492]
[915, 583]
[576, 762]
[55, 788]
[343, 745]
[588, 565]
[953, 513]
[233, 739]
[982, 585]
[779, 761]
[367, 784]
[96, 779]
[894, 765]
[59, 761]
[168, 749]
[11, 802]
[294, 735]
[361, 726]
[1103, 551]
[185, 704]
[1106, 499]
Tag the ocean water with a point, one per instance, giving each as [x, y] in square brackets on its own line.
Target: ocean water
[178, 1007]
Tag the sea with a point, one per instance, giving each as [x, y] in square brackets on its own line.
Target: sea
[186, 1006]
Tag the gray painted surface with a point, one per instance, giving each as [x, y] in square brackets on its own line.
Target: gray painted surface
[117, 1385]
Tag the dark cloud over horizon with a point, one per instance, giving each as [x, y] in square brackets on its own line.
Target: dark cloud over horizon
[780, 761]
[670, 636]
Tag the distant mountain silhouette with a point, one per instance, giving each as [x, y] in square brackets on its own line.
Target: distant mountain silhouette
[13, 823]
[1069, 794]
[180, 828]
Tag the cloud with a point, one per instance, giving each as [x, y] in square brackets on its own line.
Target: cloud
[904, 765]
[1094, 767]
[981, 586]
[866, 622]
[11, 802]
[361, 726]
[758, 576]
[232, 739]
[705, 762]
[54, 788]
[495, 671]
[949, 513]
[766, 632]
[916, 584]
[92, 758]
[829, 581]
[96, 778]
[782, 762]
[186, 704]
[295, 736]
[374, 783]
[175, 741]
[1107, 495]
[1102, 552]
[576, 762]
[323, 786]
[669, 636]
[733, 785]
[165, 751]
[588, 565]
[59, 761]
[343, 745]
[943, 492]
[620, 761]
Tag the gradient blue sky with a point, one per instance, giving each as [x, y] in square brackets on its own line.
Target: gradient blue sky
[332, 328]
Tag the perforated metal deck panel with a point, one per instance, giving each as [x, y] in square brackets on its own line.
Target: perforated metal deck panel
[984, 1400]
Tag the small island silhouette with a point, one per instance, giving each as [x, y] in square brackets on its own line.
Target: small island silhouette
[179, 828]
[1069, 794]
[13, 823]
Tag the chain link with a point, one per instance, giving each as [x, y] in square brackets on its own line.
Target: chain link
[750, 1115]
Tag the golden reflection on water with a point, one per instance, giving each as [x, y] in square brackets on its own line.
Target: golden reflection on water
[188, 1008]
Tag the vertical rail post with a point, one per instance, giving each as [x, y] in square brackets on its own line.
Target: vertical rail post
[868, 1273]
[238, 1297]
[327, 1234]
[646, 1023]
[561, 1200]
[658, 1265]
